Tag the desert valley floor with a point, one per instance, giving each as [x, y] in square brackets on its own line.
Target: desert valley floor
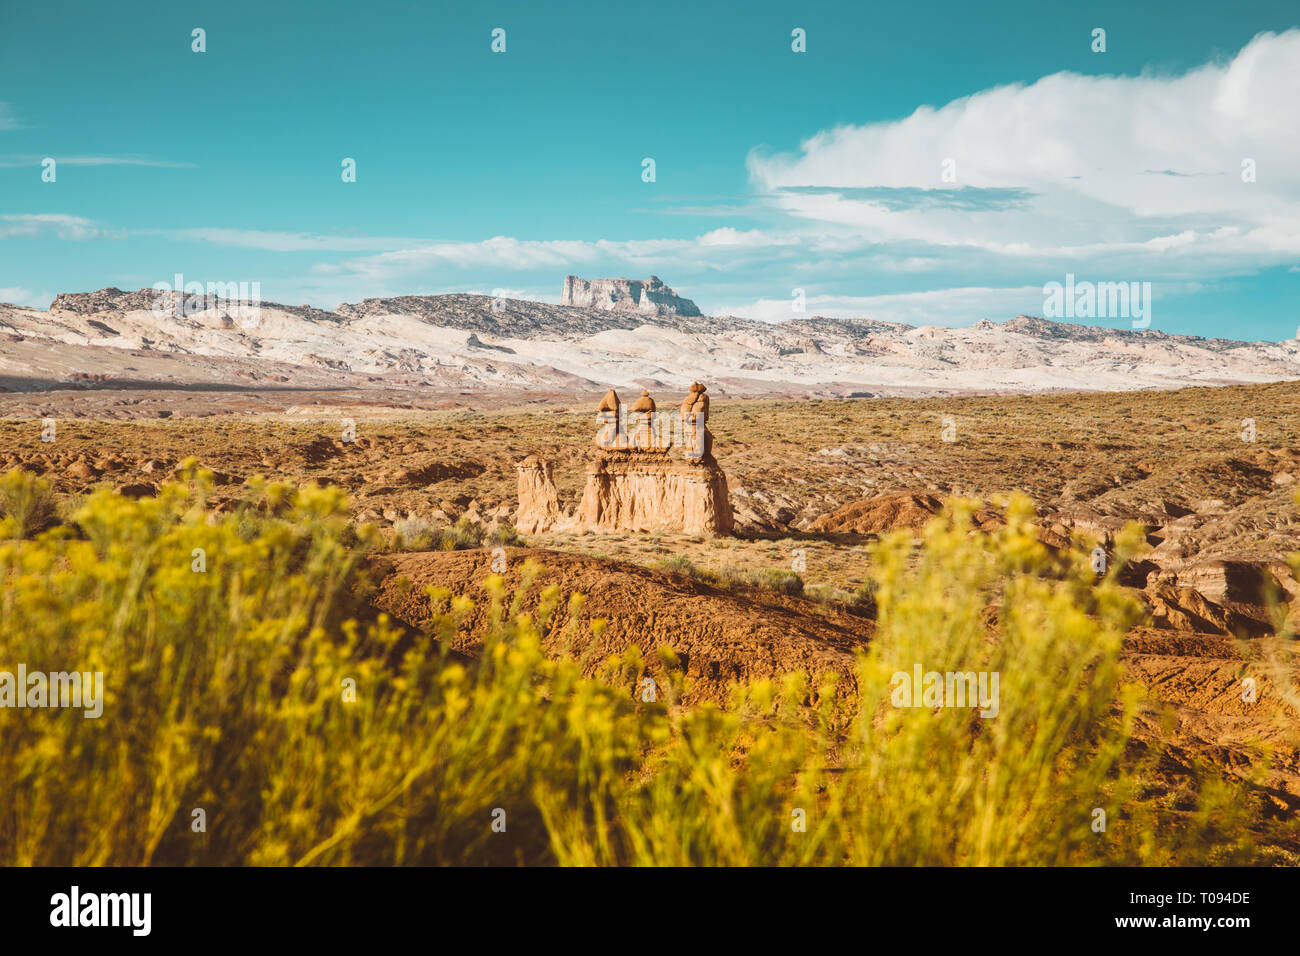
[1209, 473]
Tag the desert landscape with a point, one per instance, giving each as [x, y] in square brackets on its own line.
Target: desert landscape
[475, 453]
[591, 438]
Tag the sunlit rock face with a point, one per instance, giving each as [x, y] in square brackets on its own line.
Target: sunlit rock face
[651, 472]
[649, 297]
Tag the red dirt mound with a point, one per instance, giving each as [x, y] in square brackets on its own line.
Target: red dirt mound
[721, 637]
[880, 515]
[885, 513]
[1180, 608]
[1201, 679]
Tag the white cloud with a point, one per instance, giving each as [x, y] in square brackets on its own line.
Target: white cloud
[1146, 170]
[272, 241]
[30, 225]
[530, 295]
[1112, 178]
[17, 295]
[717, 249]
[7, 118]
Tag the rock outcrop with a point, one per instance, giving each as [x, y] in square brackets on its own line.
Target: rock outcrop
[650, 297]
[634, 481]
[636, 494]
[539, 503]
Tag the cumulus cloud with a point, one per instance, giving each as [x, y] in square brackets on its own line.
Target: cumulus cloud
[1113, 178]
[1145, 170]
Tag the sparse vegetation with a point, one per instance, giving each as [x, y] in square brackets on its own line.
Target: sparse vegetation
[420, 534]
[773, 579]
[503, 534]
[414, 534]
[465, 533]
[778, 579]
[676, 564]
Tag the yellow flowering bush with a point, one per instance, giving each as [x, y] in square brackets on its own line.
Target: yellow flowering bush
[256, 710]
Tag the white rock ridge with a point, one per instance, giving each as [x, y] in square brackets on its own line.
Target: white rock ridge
[479, 343]
[650, 297]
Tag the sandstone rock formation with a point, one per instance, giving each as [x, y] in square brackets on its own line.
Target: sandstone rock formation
[636, 494]
[650, 297]
[634, 483]
[539, 504]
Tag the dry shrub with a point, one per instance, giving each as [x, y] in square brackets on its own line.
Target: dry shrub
[27, 505]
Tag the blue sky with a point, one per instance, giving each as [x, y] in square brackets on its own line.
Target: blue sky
[774, 170]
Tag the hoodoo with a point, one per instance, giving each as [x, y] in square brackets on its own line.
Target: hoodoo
[651, 471]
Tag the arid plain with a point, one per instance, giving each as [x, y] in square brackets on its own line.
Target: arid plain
[1210, 474]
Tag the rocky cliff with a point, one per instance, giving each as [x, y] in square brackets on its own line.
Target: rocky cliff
[650, 297]
[633, 495]
[539, 502]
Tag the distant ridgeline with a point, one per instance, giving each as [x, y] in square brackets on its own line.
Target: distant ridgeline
[633, 481]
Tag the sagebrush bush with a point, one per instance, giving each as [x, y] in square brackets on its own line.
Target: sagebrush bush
[502, 534]
[729, 576]
[865, 597]
[421, 534]
[464, 534]
[415, 534]
[676, 564]
[27, 505]
[248, 678]
[780, 580]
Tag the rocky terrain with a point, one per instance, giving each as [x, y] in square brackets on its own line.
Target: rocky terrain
[412, 350]
[650, 297]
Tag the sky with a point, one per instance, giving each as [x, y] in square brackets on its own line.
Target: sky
[921, 162]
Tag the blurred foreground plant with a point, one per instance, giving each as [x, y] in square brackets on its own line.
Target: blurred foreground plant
[248, 678]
